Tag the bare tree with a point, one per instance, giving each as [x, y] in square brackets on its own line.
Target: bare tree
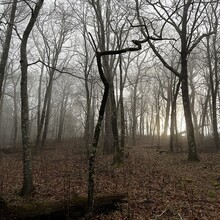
[53, 50]
[212, 46]
[103, 28]
[27, 164]
[6, 46]
[140, 74]
[64, 89]
[185, 19]
[86, 60]
[92, 154]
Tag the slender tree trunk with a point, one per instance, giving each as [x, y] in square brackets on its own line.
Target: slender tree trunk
[62, 115]
[173, 117]
[6, 46]
[27, 161]
[2, 130]
[44, 112]
[117, 148]
[192, 97]
[214, 86]
[39, 104]
[47, 117]
[134, 117]
[168, 106]
[87, 134]
[142, 121]
[108, 135]
[92, 154]
[158, 120]
[204, 113]
[192, 151]
[15, 116]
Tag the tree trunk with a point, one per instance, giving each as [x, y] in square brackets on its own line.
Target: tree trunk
[87, 134]
[134, 116]
[204, 113]
[173, 117]
[6, 46]
[15, 114]
[44, 112]
[116, 146]
[192, 151]
[108, 135]
[62, 115]
[2, 130]
[214, 85]
[39, 106]
[47, 116]
[27, 161]
[192, 98]
[92, 153]
[158, 119]
[167, 115]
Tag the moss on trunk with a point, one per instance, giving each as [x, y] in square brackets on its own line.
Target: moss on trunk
[43, 209]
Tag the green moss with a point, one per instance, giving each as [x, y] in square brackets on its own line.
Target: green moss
[216, 183]
[211, 194]
[77, 205]
[36, 207]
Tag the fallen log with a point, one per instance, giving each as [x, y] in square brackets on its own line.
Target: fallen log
[76, 207]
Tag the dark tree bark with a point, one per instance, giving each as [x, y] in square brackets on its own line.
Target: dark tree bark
[158, 118]
[103, 24]
[6, 46]
[167, 114]
[189, 36]
[214, 86]
[204, 113]
[27, 161]
[39, 106]
[89, 91]
[192, 100]
[2, 130]
[92, 153]
[44, 112]
[48, 110]
[121, 103]
[173, 117]
[62, 114]
[52, 52]
[108, 135]
[15, 113]
[117, 149]
[134, 113]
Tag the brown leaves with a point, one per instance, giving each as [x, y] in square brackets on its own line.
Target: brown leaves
[158, 186]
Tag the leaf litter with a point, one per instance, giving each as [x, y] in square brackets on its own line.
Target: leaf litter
[158, 186]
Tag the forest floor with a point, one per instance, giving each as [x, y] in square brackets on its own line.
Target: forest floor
[159, 186]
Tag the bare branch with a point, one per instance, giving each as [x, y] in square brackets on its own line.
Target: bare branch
[92, 42]
[198, 40]
[53, 68]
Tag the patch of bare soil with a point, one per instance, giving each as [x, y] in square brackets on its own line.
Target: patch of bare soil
[159, 186]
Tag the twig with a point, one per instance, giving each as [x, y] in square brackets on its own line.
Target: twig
[179, 216]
